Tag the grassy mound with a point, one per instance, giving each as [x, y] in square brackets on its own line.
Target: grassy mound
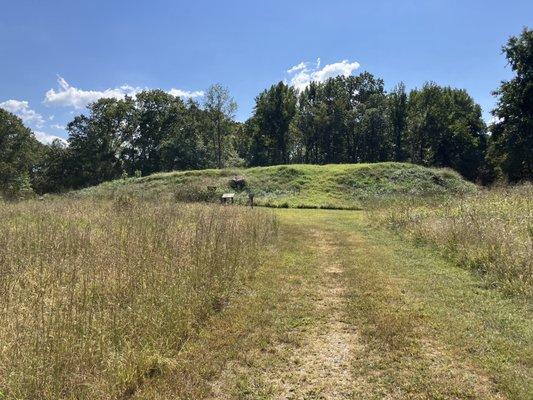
[343, 186]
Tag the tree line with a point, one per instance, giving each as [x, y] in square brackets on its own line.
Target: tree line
[346, 119]
[352, 119]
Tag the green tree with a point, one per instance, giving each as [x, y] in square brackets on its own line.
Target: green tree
[52, 172]
[306, 124]
[511, 142]
[220, 108]
[95, 144]
[185, 146]
[18, 152]
[273, 113]
[343, 120]
[243, 137]
[397, 112]
[159, 116]
[445, 129]
[369, 120]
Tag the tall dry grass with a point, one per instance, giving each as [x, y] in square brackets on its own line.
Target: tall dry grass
[96, 297]
[490, 232]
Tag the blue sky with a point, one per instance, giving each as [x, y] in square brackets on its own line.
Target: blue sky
[58, 55]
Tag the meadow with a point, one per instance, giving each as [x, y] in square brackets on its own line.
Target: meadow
[336, 237]
[489, 232]
[96, 297]
[142, 288]
[486, 230]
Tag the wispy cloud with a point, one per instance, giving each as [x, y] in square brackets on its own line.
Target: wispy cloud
[69, 96]
[46, 138]
[185, 93]
[297, 67]
[302, 74]
[22, 109]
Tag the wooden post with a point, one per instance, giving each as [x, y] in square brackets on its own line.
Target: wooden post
[251, 199]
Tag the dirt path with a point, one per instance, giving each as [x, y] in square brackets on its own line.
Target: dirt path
[318, 363]
[325, 357]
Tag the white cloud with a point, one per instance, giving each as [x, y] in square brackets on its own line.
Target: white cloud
[297, 67]
[33, 119]
[304, 73]
[57, 126]
[22, 109]
[47, 138]
[70, 96]
[343, 68]
[185, 93]
[494, 120]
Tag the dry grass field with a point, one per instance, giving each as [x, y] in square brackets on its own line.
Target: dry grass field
[97, 296]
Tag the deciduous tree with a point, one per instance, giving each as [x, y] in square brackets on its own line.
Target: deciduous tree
[511, 143]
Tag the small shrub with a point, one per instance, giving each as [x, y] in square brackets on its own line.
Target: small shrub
[237, 183]
[196, 192]
[19, 188]
[123, 201]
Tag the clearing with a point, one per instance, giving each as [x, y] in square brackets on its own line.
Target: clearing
[339, 306]
[347, 310]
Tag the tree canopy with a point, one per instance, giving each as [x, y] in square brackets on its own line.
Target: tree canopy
[18, 152]
[511, 145]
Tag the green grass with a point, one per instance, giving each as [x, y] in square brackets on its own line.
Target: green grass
[489, 232]
[340, 186]
[432, 328]
[429, 328]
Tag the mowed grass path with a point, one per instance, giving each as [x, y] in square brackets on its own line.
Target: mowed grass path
[345, 309]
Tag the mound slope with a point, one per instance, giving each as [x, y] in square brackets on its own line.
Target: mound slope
[344, 186]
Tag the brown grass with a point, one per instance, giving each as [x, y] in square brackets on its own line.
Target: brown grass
[96, 298]
[490, 232]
